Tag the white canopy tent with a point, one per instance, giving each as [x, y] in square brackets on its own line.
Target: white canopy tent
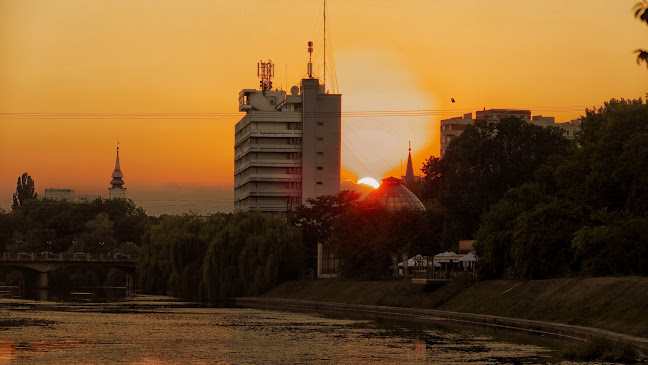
[468, 261]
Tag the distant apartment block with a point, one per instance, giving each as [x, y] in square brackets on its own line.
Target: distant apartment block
[453, 127]
[69, 195]
[286, 147]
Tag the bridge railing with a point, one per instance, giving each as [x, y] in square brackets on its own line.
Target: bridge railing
[66, 256]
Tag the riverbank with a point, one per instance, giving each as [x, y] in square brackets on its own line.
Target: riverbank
[617, 305]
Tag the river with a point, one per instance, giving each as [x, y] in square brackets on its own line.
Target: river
[160, 330]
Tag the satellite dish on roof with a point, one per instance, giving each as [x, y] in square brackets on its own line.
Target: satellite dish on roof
[294, 90]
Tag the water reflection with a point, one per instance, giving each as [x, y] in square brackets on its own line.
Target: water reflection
[81, 294]
[159, 330]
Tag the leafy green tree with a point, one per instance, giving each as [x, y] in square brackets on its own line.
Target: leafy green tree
[541, 246]
[608, 169]
[367, 238]
[252, 253]
[484, 162]
[616, 245]
[317, 219]
[495, 237]
[25, 190]
[154, 266]
[99, 235]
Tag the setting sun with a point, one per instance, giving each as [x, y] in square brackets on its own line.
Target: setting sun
[369, 181]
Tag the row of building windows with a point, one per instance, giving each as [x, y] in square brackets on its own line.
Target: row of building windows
[456, 127]
[293, 170]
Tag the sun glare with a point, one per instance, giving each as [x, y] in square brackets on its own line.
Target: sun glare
[369, 181]
[371, 80]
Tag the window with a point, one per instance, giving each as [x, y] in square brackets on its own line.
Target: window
[320, 139]
[320, 123]
[320, 168]
[320, 153]
[320, 183]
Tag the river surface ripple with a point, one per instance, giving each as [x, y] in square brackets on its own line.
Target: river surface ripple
[159, 330]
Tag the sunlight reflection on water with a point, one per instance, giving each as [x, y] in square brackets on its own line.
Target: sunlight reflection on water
[153, 330]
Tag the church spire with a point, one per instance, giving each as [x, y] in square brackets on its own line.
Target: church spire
[409, 172]
[117, 190]
[117, 161]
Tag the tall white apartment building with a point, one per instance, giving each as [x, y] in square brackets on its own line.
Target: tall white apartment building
[286, 147]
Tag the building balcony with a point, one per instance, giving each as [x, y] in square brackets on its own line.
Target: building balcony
[266, 163]
[267, 148]
[275, 178]
[270, 194]
[268, 133]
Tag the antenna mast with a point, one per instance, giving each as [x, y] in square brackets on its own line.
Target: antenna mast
[324, 44]
[265, 71]
[310, 59]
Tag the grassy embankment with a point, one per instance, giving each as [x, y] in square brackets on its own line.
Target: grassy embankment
[616, 304]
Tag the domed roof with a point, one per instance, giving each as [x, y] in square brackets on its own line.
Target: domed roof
[393, 195]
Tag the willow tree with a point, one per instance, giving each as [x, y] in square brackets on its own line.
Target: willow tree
[253, 252]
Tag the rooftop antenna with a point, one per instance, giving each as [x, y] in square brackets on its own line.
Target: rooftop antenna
[265, 71]
[325, 44]
[310, 59]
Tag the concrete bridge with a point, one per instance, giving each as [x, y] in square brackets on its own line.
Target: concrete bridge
[35, 268]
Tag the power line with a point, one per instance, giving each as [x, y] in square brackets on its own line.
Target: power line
[218, 115]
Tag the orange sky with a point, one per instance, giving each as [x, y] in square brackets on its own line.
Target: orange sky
[162, 56]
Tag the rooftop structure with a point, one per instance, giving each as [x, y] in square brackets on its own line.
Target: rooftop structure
[69, 195]
[497, 114]
[286, 147]
[117, 190]
[453, 127]
[393, 195]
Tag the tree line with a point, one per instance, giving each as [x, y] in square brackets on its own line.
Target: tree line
[540, 206]
[199, 258]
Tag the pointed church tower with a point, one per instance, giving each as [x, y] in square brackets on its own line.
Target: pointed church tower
[409, 172]
[117, 190]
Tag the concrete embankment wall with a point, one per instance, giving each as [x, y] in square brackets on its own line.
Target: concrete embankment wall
[432, 315]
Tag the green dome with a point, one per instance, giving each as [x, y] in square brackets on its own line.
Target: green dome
[393, 195]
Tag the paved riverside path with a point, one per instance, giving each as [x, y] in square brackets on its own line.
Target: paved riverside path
[421, 315]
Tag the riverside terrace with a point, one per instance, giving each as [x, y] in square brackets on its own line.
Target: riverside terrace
[35, 268]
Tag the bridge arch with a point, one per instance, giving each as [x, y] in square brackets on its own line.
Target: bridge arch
[35, 271]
